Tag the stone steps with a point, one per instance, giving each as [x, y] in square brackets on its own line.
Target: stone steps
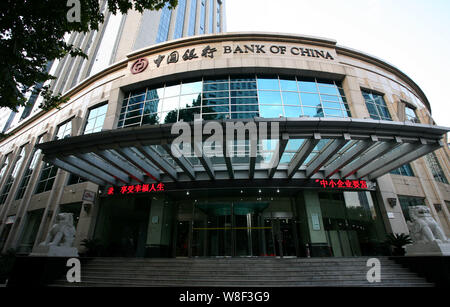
[240, 272]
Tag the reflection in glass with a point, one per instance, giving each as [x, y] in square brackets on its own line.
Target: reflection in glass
[268, 96]
[191, 88]
[310, 100]
[271, 111]
[292, 111]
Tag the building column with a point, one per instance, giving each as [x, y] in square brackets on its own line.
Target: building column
[392, 216]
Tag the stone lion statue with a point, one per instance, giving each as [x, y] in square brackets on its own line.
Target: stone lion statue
[62, 232]
[423, 228]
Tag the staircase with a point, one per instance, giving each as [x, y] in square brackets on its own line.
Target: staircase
[240, 272]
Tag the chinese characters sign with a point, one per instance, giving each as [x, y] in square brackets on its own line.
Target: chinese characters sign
[134, 189]
[209, 52]
[342, 184]
[188, 55]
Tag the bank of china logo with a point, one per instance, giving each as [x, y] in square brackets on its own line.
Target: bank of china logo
[139, 66]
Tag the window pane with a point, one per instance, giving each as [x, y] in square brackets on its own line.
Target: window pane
[310, 100]
[269, 97]
[268, 84]
[292, 111]
[170, 104]
[328, 90]
[243, 86]
[311, 112]
[288, 85]
[290, 98]
[191, 88]
[244, 100]
[216, 87]
[307, 86]
[271, 111]
[190, 100]
[171, 91]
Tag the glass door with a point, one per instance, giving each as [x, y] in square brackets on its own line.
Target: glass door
[212, 230]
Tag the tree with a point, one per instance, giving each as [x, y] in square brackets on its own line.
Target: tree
[32, 34]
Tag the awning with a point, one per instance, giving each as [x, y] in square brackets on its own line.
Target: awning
[310, 148]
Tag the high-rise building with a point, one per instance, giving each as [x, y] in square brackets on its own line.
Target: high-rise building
[116, 37]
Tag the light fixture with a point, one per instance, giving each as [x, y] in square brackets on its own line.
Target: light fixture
[278, 190]
[187, 193]
[259, 191]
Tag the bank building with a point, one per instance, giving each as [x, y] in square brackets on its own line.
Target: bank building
[332, 147]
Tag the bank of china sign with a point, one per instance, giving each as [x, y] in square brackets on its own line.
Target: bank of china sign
[212, 51]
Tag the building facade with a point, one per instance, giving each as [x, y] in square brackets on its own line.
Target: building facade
[291, 146]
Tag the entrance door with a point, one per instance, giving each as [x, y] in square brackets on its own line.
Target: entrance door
[212, 230]
[240, 229]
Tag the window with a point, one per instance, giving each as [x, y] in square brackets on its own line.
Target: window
[405, 170]
[234, 97]
[410, 115]
[15, 172]
[435, 167]
[179, 23]
[49, 171]
[29, 170]
[164, 23]
[202, 17]
[211, 16]
[376, 106]
[96, 119]
[192, 15]
[218, 18]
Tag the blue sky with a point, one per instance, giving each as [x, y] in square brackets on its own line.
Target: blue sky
[413, 35]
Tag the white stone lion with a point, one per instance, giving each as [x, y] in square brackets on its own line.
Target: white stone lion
[62, 232]
[423, 228]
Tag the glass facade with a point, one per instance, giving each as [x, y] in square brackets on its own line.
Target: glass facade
[192, 15]
[13, 176]
[244, 222]
[218, 18]
[234, 97]
[164, 23]
[211, 16]
[202, 17]
[179, 23]
[435, 167]
[376, 106]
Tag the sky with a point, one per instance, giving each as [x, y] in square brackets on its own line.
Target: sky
[412, 35]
